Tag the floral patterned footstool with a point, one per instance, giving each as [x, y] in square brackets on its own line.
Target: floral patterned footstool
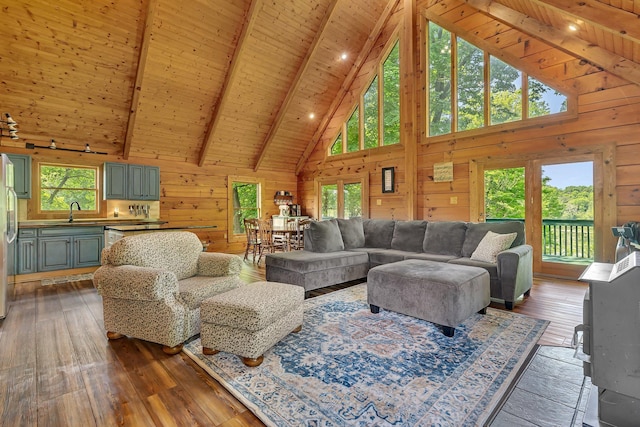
[249, 320]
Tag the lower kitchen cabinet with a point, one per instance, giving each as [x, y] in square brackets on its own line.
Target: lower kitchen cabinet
[27, 254]
[59, 248]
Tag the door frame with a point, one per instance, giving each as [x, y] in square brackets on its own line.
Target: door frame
[604, 195]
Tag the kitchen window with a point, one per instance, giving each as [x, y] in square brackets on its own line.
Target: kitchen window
[61, 185]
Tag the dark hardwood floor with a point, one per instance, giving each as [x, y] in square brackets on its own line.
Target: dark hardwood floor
[58, 369]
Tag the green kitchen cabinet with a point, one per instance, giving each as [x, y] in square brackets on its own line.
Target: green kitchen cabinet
[115, 181]
[22, 175]
[27, 252]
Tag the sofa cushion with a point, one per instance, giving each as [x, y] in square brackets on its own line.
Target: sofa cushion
[305, 261]
[324, 236]
[428, 256]
[378, 233]
[408, 235]
[492, 244]
[476, 232]
[352, 232]
[386, 256]
[444, 237]
[490, 267]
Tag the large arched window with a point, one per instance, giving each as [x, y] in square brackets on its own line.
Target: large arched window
[375, 120]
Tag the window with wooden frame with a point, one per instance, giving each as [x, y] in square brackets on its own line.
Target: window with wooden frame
[58, 186]
[343, 197]
[244, 200]
[469, 89]
[375, 120]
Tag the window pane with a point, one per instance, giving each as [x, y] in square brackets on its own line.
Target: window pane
[336, 148]
[245, 204]
[353, 130]
[371, 136]
[543, 100]
[439, 80]
[504, 194]
[391, 97]
[352, 200]
[62, 185]
[506, 92]
[329, 194]
[470, 62]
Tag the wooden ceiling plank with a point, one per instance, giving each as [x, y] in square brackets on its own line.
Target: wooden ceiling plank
[142, 61]
[249, 22]
[346, 84]
[327, 19]
[613, 63]
[608, 18]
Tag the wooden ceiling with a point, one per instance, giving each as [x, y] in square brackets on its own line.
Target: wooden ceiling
[232, 83]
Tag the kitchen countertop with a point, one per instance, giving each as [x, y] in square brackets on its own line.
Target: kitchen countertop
[87, 223]
[166, 226]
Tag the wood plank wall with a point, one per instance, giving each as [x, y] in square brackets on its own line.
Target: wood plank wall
[607, 115]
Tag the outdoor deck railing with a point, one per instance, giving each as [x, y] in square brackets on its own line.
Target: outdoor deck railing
[565, 238]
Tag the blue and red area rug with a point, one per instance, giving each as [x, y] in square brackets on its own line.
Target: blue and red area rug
[349, 367]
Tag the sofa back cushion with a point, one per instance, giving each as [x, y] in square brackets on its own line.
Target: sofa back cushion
[444, 237]
[378, 233]
[352, 232]
[408, 235]
[175, 251]
[323, 236]
[476, 232]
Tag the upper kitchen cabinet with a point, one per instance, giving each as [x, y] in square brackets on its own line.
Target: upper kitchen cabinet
[22, 175]
[143, 182]
[131, 182]
[115, 181]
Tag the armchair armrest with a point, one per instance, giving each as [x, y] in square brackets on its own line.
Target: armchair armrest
[515, 270]
[135, 283]
[218, 264]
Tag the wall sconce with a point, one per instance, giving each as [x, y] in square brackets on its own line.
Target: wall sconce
[10, 126]
[52, 146]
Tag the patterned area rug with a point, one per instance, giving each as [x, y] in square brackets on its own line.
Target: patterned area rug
[349, 367]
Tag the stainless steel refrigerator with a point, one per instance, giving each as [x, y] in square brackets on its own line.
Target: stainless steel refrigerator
[8, 230]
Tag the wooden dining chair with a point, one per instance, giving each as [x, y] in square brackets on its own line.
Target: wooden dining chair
[296, 239]
[254, 243]
[266, 236]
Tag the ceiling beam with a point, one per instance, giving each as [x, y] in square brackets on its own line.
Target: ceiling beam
[296, 83]
[346, 84]
[601, 57]
[607, 18]
[137, 87]
[231, 76]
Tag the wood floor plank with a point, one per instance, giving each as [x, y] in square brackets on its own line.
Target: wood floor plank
[113, 398]
[89, 341]
[47, 303]
[217, 403]
[174, 407]
[18, 396]
[71, 409]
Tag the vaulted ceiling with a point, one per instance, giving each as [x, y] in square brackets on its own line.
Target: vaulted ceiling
[233, 83]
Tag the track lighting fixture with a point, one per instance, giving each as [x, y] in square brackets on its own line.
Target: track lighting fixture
[9, 125]
[52, 146]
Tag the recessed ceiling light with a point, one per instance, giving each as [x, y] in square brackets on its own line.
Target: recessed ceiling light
[312, 116]
[344, 56]
[573, 27]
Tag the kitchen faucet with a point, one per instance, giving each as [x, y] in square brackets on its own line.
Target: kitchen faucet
[71, 210]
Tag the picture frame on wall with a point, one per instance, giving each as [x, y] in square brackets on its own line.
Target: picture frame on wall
[388, 180]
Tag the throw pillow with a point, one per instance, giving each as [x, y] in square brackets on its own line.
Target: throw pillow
[325, 236]
[408, 235]
[352, 232]
[491, 244]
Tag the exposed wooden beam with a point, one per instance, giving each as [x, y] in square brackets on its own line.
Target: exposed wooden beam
[346, 84]
[247, 26]
[296, 83]
[408, 106]
[142, 61]
[601, 57]
[607, 18]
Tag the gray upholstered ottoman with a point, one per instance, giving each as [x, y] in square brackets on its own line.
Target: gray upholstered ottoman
[249, 320]
[445, 294]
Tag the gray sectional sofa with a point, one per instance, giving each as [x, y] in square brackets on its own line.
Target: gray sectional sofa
[341, 250]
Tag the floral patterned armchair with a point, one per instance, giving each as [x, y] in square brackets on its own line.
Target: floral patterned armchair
[152, 286]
